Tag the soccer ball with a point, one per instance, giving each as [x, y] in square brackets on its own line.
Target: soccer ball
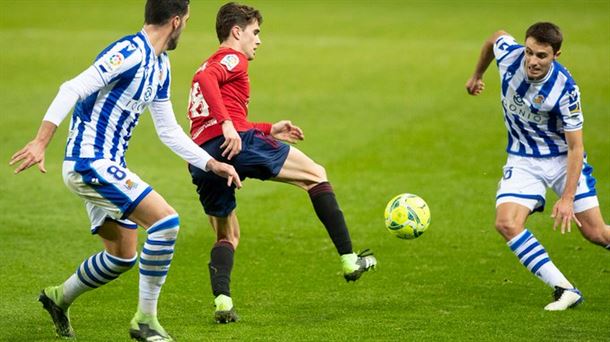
[407, 216]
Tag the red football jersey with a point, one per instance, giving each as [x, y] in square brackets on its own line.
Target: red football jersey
[221, 91]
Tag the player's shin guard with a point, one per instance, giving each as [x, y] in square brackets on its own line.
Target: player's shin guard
[95, 271]
[328, 211]
[155, 261]
[220, 266]
[533, 256]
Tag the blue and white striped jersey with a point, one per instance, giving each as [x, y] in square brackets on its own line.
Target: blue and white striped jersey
[134, 77]
[536, 113]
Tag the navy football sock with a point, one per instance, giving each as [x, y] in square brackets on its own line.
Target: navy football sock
[220, 266]
[328, 211]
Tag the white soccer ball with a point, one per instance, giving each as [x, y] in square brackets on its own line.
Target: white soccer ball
[407, 216]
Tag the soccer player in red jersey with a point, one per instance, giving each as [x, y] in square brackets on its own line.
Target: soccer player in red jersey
[218, 111]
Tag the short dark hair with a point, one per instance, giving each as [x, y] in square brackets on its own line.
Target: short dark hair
[546, 33]
[159, 12]
[231, 14]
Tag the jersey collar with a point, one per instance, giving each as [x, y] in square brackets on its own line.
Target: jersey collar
[149, 45]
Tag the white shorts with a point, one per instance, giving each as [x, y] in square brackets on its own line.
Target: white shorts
[526, 179]
[110, 191]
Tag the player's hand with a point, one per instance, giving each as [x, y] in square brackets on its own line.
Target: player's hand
[563, 213]
[285, 131]
[232, 144]
[31, 154]
[475, 85]
[224, 170]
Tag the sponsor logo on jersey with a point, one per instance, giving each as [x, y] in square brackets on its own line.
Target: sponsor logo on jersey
[230, 61]
[135, 106]
[518, 100]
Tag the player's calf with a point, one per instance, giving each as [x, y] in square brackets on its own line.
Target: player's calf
[220, 267]
[155, 261]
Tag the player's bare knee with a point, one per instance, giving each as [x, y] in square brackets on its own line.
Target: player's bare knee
[508, 228]
[229, 237]
[319, 173]
[167, 211]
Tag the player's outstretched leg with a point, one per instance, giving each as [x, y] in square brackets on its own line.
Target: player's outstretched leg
[535, 258]
[97, 270]
[155, 260]
[220, 266]
[328, 211]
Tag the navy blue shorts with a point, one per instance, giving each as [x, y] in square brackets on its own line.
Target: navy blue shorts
[261, 157]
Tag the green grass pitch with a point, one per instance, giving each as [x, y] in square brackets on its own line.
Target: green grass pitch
[378, 87]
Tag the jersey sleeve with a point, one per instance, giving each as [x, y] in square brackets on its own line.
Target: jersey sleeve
[173, 136]
[570, 109]
[212, 77]
[264, 127]
[78, 88]
[163, 93]
[117, 59]
[209, 81]
[506, 51]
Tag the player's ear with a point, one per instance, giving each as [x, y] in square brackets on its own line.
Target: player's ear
[176, 22]
[557, 54]
[236, 32]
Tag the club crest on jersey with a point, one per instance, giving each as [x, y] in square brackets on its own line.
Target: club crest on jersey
[538, 99]
[230, 61]
[129, 184]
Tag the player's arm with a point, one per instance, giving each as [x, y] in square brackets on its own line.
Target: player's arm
[69, 93]
[563, 210]
[572, 121]
[209, 83]
[173, 136]
[475, 84]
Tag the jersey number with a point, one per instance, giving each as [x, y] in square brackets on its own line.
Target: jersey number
[116, 172]
[197, 105]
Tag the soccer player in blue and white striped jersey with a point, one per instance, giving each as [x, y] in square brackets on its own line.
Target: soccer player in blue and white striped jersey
[542, 113]
[130, 75]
